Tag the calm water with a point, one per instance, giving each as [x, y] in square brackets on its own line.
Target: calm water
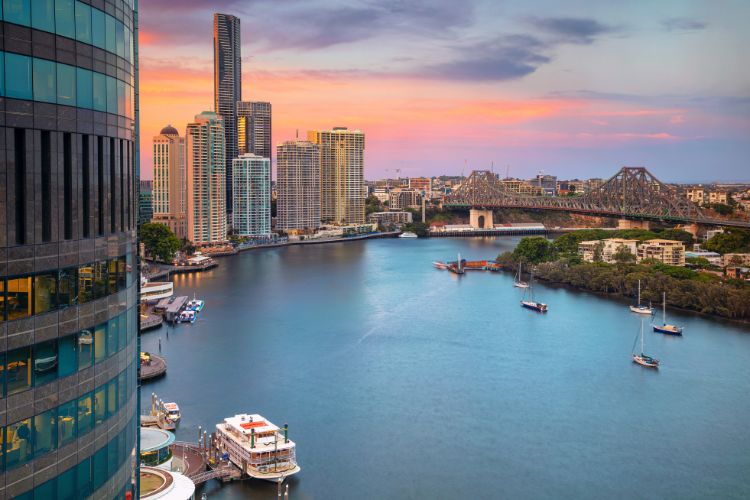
[402, 381]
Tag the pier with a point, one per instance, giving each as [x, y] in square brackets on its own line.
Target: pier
[155, 367]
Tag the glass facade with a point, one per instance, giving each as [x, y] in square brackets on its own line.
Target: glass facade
[68, 284]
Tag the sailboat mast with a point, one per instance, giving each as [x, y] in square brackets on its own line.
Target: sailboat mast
[639, 292]
[664, 307]
[641, 335]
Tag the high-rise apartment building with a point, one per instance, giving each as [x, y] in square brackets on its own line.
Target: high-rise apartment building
[342, 177]
[297, 185]
[170, 181]
[227, 86]
[206, 180]
[252, 195]
[254, 128]
[68, 280]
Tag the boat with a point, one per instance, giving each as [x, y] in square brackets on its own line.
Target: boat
[439, 265]
[665, 328]
[518, 282]
[195, 305]
[531, 303]
[173, 412]
[259, 448]
[407, 234]
[641, 309]
[457, 266]
[644, 359]
[186, 317]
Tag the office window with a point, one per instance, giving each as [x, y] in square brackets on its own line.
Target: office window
[67, 187]
[110, 36]
[18, 443]
[17, 11]
[100, 405]
[46, 178]
[122, 338]
[120, 38]
[111, 95]
[84, 88]
[45, 86]
[121, 271]
[122, 389]
[45, 292]
[67, 350]
[45, 433]
[18, 370]
[45, 362]
[19, 297]
[112, 327]
[2, 394]
[85, 414]
[112, 270]
[99, 468]
[86, 185]
[85, 283]
[100, 92]
[100, 182]
[19, 140]
[100, 279]
[43, 15]
[65, 23]
[3, 300]
[2, 78]
[83, 22]
[129, 268]
[83, 479]
[111, 397]
[112, 187]
[85, 345]
[66, 485]
[18, 76]
[66, 287]
[66, 422]
[100, 342]
[120, 97]
[98, 30]
[66, 84]
[47, 489]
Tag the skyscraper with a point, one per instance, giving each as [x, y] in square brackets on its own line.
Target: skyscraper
[170, 181]
[145, 202]
[342, 179]
[252, 195]
[68, 279]
[297, 185]
[227, 85]
[206, 180]
[254, 128]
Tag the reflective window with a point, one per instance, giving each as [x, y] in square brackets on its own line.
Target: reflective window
[45, 432]
[45, 87]
[67, 350]
[19, 297]
[43, 15]
[18, 76]
[83, 478]
[112, 397]
[66, 485]
[100, 92]
[112, 269]
[112, 327]
[130, 268]
[100, 405]
[120, 97]
[2, 299]
[83, 22]
[85, 341]
[45, 292]
[2, 390]
[122, 338]
[122, 389]
[66, 422]
[84, 88]
[18, 443]
[99, 468]
[65, 23]
[18, 370]
[111, 95]
[85, 284]
[98, 29]
[85, 414]
[47, 489]
[121, 270]
[120, 38]
[45, 362]
[111, 37]
[66, 287]
[100, 342]
[66, 85]
[17, 11]
[100, 279]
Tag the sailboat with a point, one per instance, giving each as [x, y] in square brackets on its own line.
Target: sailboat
[640, 309]
[644, 359]
[665, 328]
[518, 282]
[531, 303]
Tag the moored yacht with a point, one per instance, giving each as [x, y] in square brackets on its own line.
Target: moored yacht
[641, 309]
[407, 234]
[644, 359]
[186, 317]
[195, 305]
[518, 282]
[173, 412]
[258, 447]
[531, 303]
[664, 327]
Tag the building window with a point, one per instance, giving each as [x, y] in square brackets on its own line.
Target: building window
[86, 283]
[45, 85]
[67, 187]
[19, 297]
[100, 342]
[100, 405]
[65, 23]
[66, 85]
[109, 33]
[83, 22]
[66, 422]
[3, 299]
[45, 292]
[66, 485]
[99, 467]
[18, 76]
[100, 182]
[99, 91]
[85, 185]
[100, 279]
[84, 88]
[19, 136]
[112, 187]
[46, 179]
[18, 443]
[67, 350]
[43, 15]
[112, 327]
[98, 30]
[66, 287]
[112, 397]
[18, 370]
[85, 343]
[112, 270]
[111, 95]
[83, 478]
[45, 362]
[17, 11]
[45, 433]
[85, 414]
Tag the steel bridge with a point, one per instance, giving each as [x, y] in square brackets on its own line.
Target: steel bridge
[632, 193]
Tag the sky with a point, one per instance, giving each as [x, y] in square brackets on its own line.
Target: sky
[575, 89]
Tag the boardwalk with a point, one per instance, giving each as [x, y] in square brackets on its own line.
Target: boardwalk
[156, 368]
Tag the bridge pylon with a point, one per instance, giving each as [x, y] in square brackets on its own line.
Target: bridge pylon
[633, 224]
[481, 219]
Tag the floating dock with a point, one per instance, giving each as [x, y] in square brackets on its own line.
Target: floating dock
[152, 367]
[460, 267]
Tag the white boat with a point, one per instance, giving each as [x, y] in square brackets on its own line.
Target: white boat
[173, 412]
[641, 309]
[644, 359]
[263, 449]
[518, 282]
[195, 305]
[664, 327]
[440, 265]
[186, 317]
[531, 303]
[407, 234]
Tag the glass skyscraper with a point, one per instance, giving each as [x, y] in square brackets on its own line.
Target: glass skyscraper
[68, 217]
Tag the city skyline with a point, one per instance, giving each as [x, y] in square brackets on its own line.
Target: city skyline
[577, 92]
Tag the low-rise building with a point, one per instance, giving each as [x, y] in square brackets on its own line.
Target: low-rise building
[696, 195]
[521, 187]
[390, 218]
[713, 258]
[717, 197]
[605, 249]
[736, 259]
[666, 251]
[401, 198]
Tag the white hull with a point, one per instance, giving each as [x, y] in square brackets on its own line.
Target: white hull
[520, 284]
[642, 310]
[272, 476]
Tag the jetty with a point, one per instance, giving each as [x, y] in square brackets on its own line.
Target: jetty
[157, 416]
[152, 366]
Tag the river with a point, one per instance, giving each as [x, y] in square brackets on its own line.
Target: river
[398, 380]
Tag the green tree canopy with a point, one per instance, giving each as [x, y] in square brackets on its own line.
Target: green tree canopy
[534, 250]
[730, 241]
[159, 241]
[623, 255]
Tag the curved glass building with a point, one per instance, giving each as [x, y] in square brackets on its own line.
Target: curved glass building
[68, 285]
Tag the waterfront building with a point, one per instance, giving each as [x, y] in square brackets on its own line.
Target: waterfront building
[252, 195]
[605, 250]
[170, 181]
[298, 185]
[666, 251]
[155, 445]
[342, 196]
[401, 198]
[386, 218]
[206, 180]
[254, 128]
[69, 208]
[160, 484]
[145, 202]
[227, 87]
[712, 257]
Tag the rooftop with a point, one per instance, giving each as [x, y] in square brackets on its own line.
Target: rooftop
[155, 439]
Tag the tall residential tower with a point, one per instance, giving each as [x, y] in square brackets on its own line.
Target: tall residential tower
[254, 128]
[252, 195]
[297, 185]
[68, 250]
[170, 181]
[342, 179]
[227, 85]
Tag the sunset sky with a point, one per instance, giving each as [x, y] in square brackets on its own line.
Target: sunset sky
[575, 88]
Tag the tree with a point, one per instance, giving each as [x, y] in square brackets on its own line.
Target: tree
[534, 250]
[418, 228]
[372, 204]
[730, 241]
[677, 235]
[159, 241]
[187, 247]
[598, 252]
[623, 255]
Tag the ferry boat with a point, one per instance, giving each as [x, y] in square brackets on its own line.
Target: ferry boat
[195, 305]
[665, 328]
[531, 303]
[518, 282]
[641, 309]
[644, 359]
[186, 317]
[407, 234]
[173, 412]
[258, 447]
